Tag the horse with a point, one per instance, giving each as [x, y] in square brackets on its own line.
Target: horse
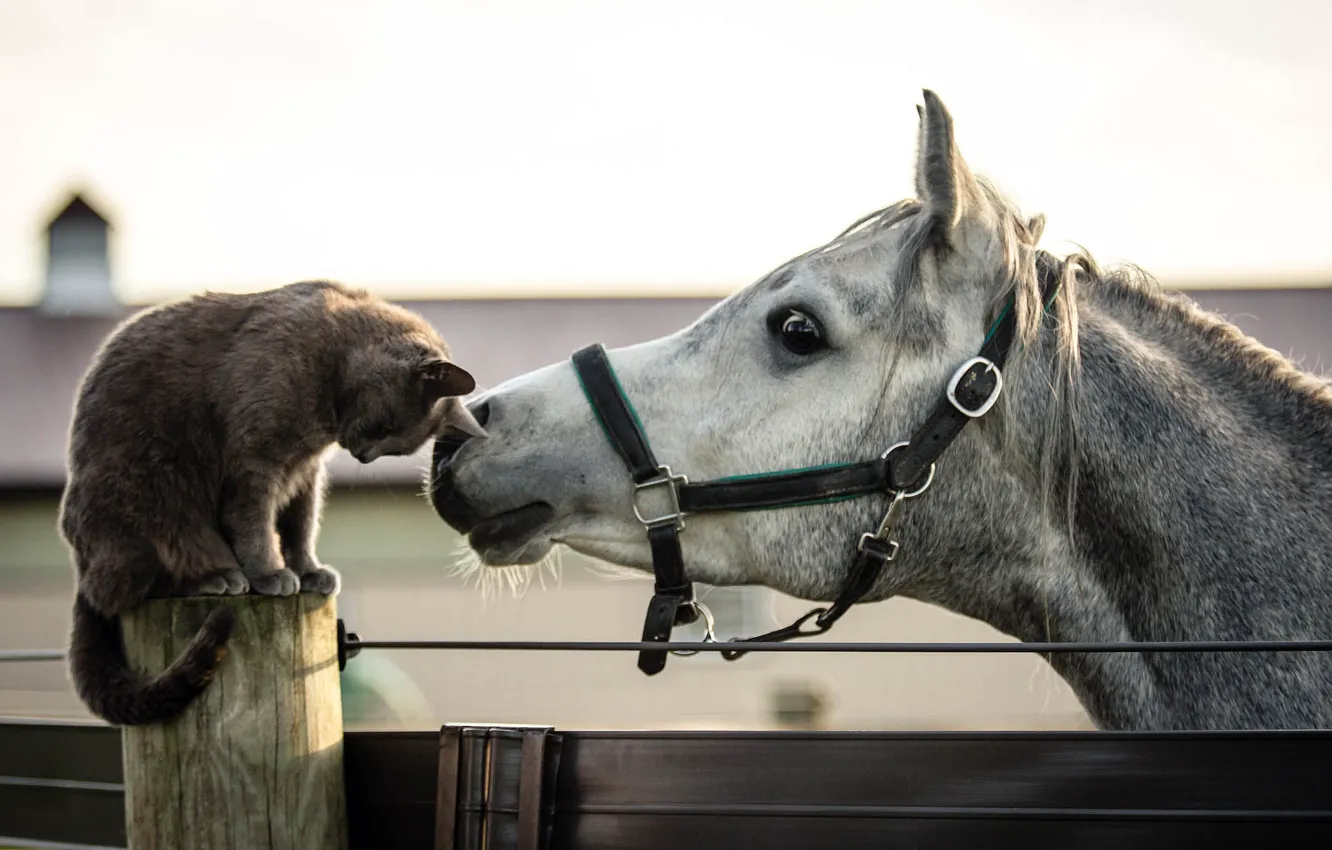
[1146, 473]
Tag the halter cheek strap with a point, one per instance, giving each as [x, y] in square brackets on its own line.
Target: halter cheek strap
[672, 592]
[903, 472]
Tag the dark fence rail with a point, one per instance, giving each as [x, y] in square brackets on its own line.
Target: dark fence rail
[473, 787]
[60, 783]
[464, 788]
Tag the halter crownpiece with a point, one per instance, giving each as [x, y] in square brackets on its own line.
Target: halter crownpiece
[903, 472]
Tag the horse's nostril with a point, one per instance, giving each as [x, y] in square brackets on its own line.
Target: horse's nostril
[448, 443]
[445, 448]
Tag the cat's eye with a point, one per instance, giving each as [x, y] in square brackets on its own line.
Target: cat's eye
[800, 334]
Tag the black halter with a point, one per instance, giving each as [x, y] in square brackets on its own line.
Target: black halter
[904, 471]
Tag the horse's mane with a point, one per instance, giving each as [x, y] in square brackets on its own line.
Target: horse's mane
[1233, 347]
[1056, 364]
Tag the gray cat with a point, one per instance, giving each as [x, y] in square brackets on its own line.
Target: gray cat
[196, 461]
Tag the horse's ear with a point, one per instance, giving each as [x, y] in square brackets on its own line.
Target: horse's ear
[943, 181]
[1035, 227]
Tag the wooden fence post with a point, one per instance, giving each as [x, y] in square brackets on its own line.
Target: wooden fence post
[256, 760]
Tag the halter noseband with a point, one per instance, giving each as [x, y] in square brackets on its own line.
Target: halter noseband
[904, 471]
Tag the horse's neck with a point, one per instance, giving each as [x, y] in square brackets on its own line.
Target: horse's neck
[1198, 455]
[1200, 511]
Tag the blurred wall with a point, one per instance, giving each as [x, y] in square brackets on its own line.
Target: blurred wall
[395, 556]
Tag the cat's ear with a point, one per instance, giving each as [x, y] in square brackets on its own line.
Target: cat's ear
[461, 419]
[440, 379]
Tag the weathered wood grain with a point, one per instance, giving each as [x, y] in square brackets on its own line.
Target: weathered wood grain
[256, 761]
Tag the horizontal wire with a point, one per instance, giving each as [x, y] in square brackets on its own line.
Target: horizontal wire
[834, 646]
[818, 647]
[32, 654]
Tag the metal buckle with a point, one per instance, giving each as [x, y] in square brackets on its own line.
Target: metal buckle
[869, 535]
[951, 391]
[886, 524]
[671, 483]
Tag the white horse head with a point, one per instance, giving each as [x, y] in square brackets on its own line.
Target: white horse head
[1054, 517]
[832, 357]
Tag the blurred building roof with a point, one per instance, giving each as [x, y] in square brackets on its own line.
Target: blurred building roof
[42, 358]
[78, 208]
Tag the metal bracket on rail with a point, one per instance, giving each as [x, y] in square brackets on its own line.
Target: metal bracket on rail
[349, 645]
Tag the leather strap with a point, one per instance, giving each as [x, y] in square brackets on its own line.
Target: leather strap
[785, 489]
[912, 463]
[868, 565]
[672, 591]
[618, 419]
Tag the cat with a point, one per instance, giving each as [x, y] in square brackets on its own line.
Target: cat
[196, 461]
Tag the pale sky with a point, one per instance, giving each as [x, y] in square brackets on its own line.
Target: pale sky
[557, 147]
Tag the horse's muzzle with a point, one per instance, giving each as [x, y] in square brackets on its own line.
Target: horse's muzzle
[443, 493]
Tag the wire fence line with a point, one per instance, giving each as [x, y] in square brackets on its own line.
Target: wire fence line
[857, 646]
[32, 654]
[1046, 648]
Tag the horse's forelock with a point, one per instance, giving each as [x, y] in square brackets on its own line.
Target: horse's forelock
[1017, 277]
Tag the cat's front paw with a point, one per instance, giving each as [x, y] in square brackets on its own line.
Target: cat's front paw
[220, 583]
[213, 585]
[323, 581]
[236, 582]
[300, 563]
[276, 583]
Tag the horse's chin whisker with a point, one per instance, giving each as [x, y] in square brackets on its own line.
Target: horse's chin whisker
[614, 572]
[518, 579]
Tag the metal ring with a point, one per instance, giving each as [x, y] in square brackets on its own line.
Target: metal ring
[929, 478]
[817, 616]
[709, 629]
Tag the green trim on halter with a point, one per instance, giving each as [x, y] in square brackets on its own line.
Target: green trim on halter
[997, 319]
[1004, 312]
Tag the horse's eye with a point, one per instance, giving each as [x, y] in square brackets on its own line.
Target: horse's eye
[800, 334]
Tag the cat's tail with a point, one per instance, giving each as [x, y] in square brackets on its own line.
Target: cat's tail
[113, 691]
